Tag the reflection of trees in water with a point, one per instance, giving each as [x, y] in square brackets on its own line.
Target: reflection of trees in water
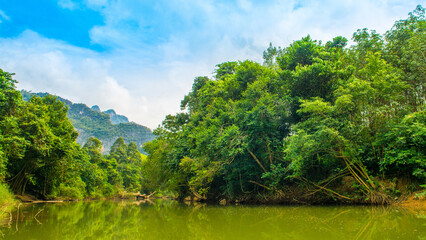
[245, 222]
[170, 220]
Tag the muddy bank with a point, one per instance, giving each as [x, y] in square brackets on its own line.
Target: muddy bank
[413, 203]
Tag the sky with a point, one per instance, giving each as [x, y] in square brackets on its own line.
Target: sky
[140, 57]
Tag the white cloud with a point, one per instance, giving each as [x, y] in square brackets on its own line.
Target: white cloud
[3, 16]
[74, 73]
[97, 3]
[68, 4]
[245, 4]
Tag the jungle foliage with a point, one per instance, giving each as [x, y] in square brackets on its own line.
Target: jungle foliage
[315, 121]
[39, 154]
[329, 119]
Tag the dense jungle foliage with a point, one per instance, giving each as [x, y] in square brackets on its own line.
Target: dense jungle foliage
[39, 154]
[314, 120]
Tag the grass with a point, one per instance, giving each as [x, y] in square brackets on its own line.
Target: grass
[7, 200]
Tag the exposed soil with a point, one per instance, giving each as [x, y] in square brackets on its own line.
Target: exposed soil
[414, 203]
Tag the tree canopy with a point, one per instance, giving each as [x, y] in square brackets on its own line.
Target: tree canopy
[312, 116]
[39, 153]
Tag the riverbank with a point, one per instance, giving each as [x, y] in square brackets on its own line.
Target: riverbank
[338, 195]
[26, 198]
[414, 203]
[408, 201]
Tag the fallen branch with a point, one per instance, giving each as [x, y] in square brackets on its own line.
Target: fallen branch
[151, 194]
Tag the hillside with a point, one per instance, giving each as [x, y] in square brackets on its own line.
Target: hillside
[107, 126]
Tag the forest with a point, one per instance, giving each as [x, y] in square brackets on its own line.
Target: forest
[39, 154]
[315, 122]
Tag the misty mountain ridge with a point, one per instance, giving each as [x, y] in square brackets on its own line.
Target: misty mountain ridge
[115, 118]
[107, 126]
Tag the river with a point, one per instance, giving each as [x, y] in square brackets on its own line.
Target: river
[172, 220]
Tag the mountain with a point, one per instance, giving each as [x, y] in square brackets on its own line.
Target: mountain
[115, 118]
[107, 126]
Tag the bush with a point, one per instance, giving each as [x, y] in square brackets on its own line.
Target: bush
[108, 190]
[405, 151]
[71, 191]
[96, 193]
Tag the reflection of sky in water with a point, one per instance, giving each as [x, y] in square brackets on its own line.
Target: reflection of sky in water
[170, 220]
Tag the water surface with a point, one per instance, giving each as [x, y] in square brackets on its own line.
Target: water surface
[172, 220]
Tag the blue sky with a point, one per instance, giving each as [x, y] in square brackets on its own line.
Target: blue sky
[51, 20]
[140, 57]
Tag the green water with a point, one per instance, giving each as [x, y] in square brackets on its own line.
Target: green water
[171, 220]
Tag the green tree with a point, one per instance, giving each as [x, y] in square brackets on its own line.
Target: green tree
[321, 113]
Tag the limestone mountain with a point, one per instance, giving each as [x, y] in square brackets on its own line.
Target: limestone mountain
[115, 118]
[107, 126]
